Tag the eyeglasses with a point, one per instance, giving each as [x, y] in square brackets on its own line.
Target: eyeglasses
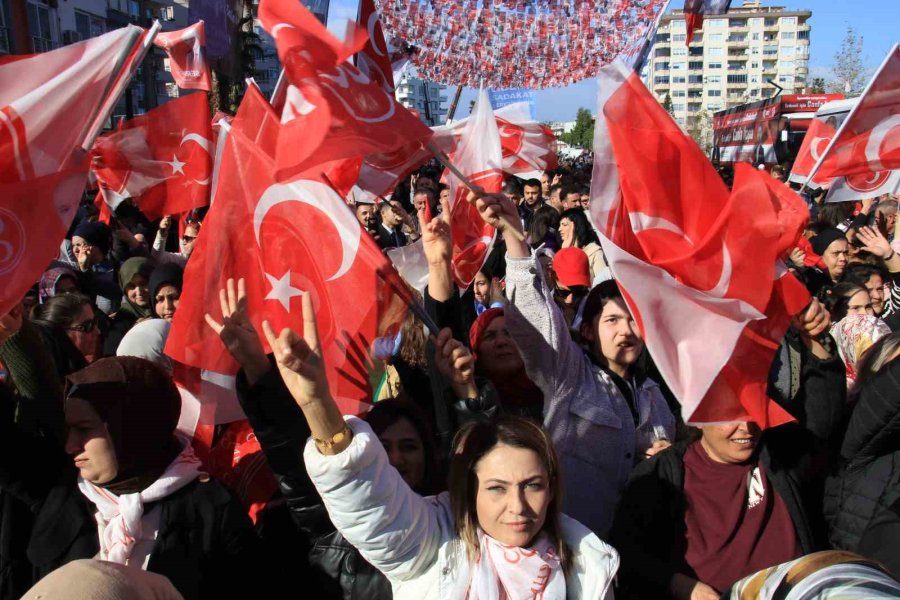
[84, 326]
[189, 238]
[564, 294]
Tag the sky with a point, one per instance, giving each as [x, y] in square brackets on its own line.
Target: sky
[876, 20]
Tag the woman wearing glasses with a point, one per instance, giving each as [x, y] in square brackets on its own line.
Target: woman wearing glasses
[68, 325]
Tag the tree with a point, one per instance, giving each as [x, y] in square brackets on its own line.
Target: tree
[667, 104]
[582, 135]
[817, 86]
[849, 74]
[699, 127]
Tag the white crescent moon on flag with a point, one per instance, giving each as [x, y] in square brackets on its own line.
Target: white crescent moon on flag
[203, 143]
[370, 26]
[341, 79]
[876, 138]
[279, 27]
[641, 222]
[322, 197]
[814, 147]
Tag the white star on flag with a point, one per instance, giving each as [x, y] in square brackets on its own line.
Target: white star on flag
[282, 290]
[177, 165]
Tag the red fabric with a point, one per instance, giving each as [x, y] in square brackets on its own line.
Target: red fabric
[162, 159]
[48, 102]
[814, 144]
[697, 265]
[572, 267]
[694, 22]
[374, 59]
[869, 142]
[328, 99]
[479, 157]
[480, 324]
[187, 56]
[103, 207]
[737, 524]
[811, 259]
[284, 239]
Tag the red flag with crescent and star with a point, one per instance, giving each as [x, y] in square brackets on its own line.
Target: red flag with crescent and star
[48, 103]
[479, 156]
[868, 142]
[287, 238]
[701, 268]
[374, 59]
[816, 140]
[186, 49]
[332, 110]
[162, 159]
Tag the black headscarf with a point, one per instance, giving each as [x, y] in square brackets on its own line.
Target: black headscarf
[140, 406]
[165, 274]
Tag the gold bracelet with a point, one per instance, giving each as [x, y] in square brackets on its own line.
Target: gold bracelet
[333, 440]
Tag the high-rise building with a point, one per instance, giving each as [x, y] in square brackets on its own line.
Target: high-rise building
[426, 97]
[731, 60]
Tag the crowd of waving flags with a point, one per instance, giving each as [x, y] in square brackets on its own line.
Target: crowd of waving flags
[279, 218]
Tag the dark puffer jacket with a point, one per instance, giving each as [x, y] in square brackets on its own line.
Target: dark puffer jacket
[341, 572]
[862, 502]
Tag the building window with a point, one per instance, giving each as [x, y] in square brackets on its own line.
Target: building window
[754, 65]
[713, 92]
[786, 65]
[737, 79]
[788, 35]
[803, 35]
[677, 25]
[39, 27]
[679, 37]
[4, 33]
[661, 80]
[788, 21]
[88, 25]
[678, 107]
[679, 51]
[716, 52]
[786, 79]
[770, 50]
[662, 38]
[678, 93]
[679, 66]
[695, 78]
[713, 79]
[662, 66]
[716, 37]
[733, 23]
[134, 8]
[755, 36]
[695, 64]
[715, 23]
[713, 106]
[678, 79]
[787, 50]
[756, 22]
[714, 65]
[771, 22]
[695, 94]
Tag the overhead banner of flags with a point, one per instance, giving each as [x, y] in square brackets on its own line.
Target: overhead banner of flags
[486, 43]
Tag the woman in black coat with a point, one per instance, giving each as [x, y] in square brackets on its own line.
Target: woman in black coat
[700, 515]
[862, 501]
[136, 495]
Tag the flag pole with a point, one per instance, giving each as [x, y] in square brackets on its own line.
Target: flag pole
[850, 116]
[279, 90]
[117, 85]
[445, 160]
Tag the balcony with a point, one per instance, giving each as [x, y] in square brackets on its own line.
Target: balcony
[738, 56]
[39, 44]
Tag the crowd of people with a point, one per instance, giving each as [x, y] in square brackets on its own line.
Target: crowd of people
[530, 450]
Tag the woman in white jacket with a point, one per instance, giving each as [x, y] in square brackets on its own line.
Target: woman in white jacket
[498, 533]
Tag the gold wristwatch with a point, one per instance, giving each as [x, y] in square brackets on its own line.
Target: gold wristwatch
[337, 438]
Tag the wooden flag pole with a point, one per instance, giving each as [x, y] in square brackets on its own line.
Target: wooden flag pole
[445, 160]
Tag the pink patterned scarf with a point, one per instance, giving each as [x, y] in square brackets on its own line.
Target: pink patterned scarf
[511, 573]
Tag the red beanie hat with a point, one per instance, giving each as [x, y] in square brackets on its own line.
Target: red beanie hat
[572, 267]
[480, 324]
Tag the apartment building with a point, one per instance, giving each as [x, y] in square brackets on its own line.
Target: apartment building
[426, 97]
[731, 60]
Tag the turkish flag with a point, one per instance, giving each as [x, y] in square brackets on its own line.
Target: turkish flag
[187, 56]
[526, 144]
[479, 156]
[694, 10]
[374, 59]
[285, 239]
[869, 140]
[815, 142]
[48, 104]
[700, 267]
[332, 110]
[162, 159]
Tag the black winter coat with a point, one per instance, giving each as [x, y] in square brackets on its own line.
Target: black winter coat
[341, 572]
[206, 544]
[862, 502]
[649, 529]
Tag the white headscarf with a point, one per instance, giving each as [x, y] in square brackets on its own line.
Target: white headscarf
[147, 340]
